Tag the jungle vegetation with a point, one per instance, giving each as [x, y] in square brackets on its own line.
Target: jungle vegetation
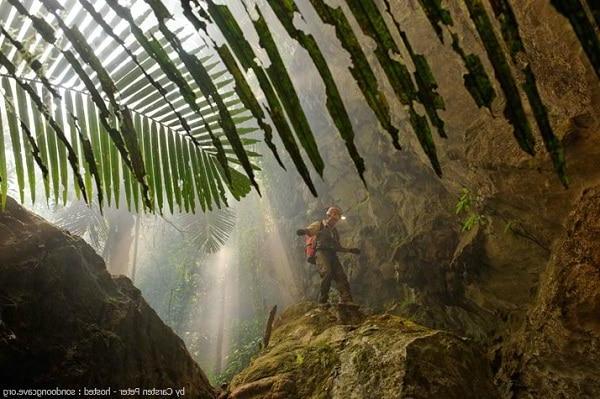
[111, 104]
[121, 108]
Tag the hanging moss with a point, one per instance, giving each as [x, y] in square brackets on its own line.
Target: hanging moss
[245, 93]
[373, 25]
[551, 142]
[477, 81]
[335, 105]
[437, 16]
[361, 69]
[242, 88]
[508, 26]
[513, 110]
[583, 27]
[425, 139]
[510, 32]
[594, 6]
[228, 26]
[288, 95]
[427, 94]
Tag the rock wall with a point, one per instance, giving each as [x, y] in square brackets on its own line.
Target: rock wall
[65, 322]
[416, 261]
[555, 353]
[405, 221]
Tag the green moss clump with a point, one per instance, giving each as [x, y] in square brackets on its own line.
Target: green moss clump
[514, 110]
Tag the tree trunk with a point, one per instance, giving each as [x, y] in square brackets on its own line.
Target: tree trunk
[220, 331]
[135, 247]
[118, 244]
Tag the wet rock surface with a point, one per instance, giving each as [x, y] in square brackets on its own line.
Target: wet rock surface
[65, 322]
[316, 354]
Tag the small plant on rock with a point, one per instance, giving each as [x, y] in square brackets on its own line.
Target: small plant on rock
[469, 205]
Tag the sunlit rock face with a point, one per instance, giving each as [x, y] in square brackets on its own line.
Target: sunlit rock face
[337, 353]
[65, 322]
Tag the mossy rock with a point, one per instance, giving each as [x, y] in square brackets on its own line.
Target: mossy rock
[314, 354]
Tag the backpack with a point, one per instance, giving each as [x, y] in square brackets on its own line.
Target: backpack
[310, 247]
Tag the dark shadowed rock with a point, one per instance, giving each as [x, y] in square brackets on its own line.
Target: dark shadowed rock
[66, 322]
[557, 354]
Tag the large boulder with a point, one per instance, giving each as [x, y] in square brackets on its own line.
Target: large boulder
[65, 322]
[337, 352]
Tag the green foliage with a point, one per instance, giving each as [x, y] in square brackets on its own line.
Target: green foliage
[512, 38]
[84, 221]
[468, 205]
[209, 90]
[472, 220]
[3, 168]
[208, 232]
[247, 343]
[92, 115]
[121, 145]
[174, 279]
[464, 201]
[40, 107]
[514, 111]
[335, 105]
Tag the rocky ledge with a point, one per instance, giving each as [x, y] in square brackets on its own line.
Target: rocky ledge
[338, 352]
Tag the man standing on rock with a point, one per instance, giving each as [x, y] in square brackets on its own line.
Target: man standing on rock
[323, 243]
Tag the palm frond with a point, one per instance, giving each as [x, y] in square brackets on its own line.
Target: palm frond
[208, 232]
[104, 108]
[85, 221]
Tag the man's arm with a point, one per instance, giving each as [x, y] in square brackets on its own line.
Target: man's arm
[355, 251]
[343, 249]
